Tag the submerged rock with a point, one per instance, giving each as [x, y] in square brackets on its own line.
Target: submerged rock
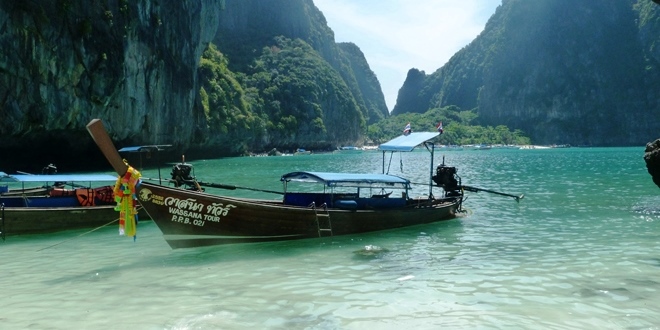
[652, 158]
[370, 251]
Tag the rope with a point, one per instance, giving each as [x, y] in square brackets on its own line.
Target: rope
[71, 239]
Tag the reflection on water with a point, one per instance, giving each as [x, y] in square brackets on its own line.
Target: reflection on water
[579, 252]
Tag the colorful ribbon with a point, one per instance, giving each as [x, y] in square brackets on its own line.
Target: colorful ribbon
[124, 193]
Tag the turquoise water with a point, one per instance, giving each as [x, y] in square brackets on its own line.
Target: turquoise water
[580, 251]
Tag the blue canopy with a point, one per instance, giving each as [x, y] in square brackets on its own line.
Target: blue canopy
[349, 179]
[149, 148]
[407, 142]
[55, 177]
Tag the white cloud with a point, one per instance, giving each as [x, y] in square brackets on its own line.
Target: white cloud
[397, 35]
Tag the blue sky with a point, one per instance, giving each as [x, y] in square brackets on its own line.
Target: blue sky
[397, 35]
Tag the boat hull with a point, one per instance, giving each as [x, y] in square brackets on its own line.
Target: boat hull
[192, 219]
[40, 220]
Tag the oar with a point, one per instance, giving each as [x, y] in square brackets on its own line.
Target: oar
[103, 141]
[475, 189]
[232, 187]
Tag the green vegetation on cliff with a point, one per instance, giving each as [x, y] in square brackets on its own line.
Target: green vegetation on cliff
[565, 71]
[458, 127]
[227, 111]
[278, 102]
[302, 97]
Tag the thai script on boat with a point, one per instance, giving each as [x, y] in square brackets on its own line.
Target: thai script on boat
[190, 211]
[189, 204]
[216, 209]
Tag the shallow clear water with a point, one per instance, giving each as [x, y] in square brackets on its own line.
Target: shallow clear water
[580, 251]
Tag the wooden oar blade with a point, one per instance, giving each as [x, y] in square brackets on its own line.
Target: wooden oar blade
[475, 189]
[103, 141]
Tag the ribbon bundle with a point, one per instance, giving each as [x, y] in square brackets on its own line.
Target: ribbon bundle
[124, 193]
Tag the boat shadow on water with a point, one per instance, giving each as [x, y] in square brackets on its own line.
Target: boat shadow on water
[365, 246]
[392, 249]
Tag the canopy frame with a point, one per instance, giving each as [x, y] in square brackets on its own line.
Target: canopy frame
[407, 143]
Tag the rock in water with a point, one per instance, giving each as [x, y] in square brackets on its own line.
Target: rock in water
[652, 158]
[370, 251]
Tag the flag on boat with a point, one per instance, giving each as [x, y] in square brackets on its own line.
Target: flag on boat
[407, 130]
[439, 127]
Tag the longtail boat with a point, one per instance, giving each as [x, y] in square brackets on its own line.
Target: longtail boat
[59, 207]
[347, 203]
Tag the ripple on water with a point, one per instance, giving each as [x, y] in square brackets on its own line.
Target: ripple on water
[573, 254]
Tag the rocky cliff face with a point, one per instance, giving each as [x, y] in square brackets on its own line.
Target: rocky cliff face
[563, 71]
[134, 64]
[247, 26]
[131, 63]
[367, 83]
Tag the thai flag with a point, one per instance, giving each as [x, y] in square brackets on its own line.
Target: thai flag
[439, 127]
[407, 130]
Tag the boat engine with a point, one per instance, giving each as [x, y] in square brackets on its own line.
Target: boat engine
[49, 169]
[446, 177]
[181, 175]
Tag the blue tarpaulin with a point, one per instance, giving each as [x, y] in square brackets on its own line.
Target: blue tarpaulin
[56, 177]
[407, 142]
[349, 179]
[149, 148]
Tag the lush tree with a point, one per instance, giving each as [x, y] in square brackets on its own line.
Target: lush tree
[227, 109]
[458, 128]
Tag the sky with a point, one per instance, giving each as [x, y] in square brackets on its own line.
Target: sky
[398, 35]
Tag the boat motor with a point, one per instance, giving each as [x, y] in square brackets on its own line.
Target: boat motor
[446, 177]
[181, 176]
[49, 169]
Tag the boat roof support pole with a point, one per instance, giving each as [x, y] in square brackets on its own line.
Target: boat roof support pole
[432, 149]
[390, 163]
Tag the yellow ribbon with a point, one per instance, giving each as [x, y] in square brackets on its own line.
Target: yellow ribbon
[124, 193]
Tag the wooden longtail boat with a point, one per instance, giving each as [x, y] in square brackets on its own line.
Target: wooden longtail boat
[346, 205]
[59, 208]
[43, 190]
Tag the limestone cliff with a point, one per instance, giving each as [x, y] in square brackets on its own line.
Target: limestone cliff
[247, 26]
[563, 71]
[131, 63]
[136, 65]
